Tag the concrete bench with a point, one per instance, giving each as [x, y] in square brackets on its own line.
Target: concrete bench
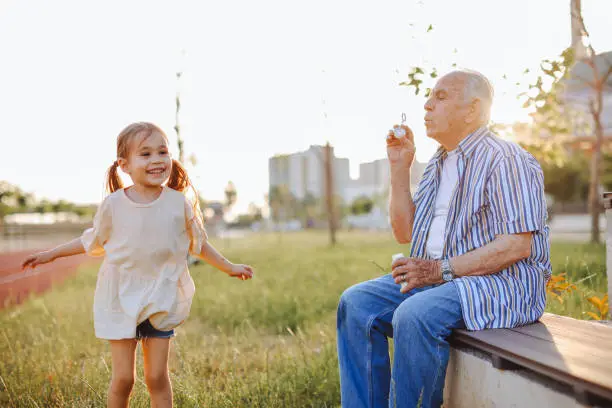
[557, 362]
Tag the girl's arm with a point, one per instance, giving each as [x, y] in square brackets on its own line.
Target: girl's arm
[211, 256]
[73, 247]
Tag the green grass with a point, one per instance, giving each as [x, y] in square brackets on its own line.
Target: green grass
[269, 342]
[585, 265]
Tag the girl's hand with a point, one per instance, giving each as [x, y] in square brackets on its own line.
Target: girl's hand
[240, 271]
[40, 258]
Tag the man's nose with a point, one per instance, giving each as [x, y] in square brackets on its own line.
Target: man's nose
[427, 105]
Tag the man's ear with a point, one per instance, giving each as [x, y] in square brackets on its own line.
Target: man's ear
[474, 112]
[123, 164]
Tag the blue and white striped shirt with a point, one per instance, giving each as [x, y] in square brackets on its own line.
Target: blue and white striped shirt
[500, 191]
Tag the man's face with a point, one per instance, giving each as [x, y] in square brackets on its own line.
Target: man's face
[446, 109]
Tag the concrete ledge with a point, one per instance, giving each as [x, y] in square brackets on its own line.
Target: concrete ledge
[473, 382]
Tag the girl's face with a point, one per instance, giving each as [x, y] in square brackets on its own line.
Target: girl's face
[148, 163]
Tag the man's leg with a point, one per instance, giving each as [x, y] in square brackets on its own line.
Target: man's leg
[421, 325]
[364, 319]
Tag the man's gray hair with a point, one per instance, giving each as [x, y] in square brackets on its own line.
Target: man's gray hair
[477, 86]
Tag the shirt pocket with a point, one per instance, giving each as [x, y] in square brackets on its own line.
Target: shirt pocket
[471, 220]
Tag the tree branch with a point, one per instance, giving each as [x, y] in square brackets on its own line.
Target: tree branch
[585, 81]
[592, 107]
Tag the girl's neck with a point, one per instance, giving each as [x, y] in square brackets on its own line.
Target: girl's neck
[143, 194]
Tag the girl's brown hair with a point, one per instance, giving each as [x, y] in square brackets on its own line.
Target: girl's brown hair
[179, 180]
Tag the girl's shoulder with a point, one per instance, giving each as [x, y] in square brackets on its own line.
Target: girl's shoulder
[113, 198]
[177, 200]
[176, 197]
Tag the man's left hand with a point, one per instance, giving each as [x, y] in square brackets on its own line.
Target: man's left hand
[416, 272]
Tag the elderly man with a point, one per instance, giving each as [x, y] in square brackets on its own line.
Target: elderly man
[479, 256]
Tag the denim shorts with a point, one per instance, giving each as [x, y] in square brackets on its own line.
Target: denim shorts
[146, 330]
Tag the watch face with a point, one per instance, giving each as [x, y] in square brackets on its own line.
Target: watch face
[447, 276]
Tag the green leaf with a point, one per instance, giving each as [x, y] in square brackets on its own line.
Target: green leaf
[429, 28]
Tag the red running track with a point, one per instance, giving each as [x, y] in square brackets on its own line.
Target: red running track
[16, 285]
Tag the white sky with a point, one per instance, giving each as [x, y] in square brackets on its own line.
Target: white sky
[256, 73]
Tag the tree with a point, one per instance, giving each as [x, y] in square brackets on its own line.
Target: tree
[597, 81]
[553, 118]
[246, 220]
[8, 200]
[255, 212]
[309, 206]
[565, 172]
[44, 206]
[362, 205]
[279, 199]
[230, 195]
[62, 206]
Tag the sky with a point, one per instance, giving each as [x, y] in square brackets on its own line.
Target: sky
[259, 78]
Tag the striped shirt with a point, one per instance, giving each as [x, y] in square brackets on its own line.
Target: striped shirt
[500, 190]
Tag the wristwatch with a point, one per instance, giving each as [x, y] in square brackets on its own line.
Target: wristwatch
[447, 271]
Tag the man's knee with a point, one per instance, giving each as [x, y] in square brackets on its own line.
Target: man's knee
[351, 300]
[410, 316]
[350, 295]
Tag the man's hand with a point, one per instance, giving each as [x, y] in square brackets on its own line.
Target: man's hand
[401, 151]
[416, 272]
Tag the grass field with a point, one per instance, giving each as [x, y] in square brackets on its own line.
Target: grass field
[269, 342]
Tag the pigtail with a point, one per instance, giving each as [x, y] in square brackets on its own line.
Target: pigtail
[179, 181]
[113, 181]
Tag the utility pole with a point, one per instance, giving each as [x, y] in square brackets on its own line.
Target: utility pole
[578, 46]
[329, 193]
[177, 126]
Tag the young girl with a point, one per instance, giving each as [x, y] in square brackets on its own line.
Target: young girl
[145, 233]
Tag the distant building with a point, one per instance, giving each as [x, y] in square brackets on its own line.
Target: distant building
[302, 173]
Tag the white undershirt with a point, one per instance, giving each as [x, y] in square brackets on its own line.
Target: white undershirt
[448, 181]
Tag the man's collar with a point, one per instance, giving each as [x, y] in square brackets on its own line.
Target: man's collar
[466, 146]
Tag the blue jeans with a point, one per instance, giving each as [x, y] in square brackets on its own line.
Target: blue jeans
[146, 330]
[419, 322]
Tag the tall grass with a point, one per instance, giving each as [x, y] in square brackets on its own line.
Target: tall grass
[269, 342]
